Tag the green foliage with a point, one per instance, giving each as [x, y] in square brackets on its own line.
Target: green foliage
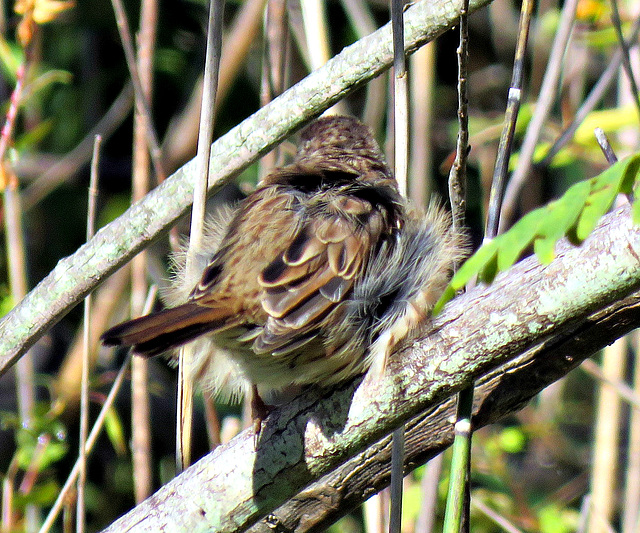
[115, 431]
[11, 56]
[512, 439]
[574, 215]
[6, 300]
[555, 519]
[40, 444]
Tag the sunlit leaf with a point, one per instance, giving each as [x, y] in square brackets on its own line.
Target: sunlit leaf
[574, 215]
[560, 216]
[115, 431]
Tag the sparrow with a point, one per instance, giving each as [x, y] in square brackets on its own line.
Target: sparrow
[320, 274]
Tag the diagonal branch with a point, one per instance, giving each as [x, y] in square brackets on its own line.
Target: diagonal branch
[75, 276]
[554, 310]
[502, 391]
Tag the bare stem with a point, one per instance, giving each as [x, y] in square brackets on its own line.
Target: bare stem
[84, 381]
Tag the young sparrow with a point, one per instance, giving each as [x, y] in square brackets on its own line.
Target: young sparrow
[322, 271]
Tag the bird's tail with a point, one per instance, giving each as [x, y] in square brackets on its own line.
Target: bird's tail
[161, 331]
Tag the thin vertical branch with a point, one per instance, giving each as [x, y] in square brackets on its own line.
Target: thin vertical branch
[84, 381]
[361, 18]
[605, 146]
[511, 116]
[401, 165]
[429, 495]
[142, 104]
[314, 20]
[211, 69]
[15, 241]
[543, 106]
[400, 98]
[15, 250]
[238, 42]
[459, 499]
[140, 412]
[607, 436]
[8, 489]
[422, 80]
[14, 236]
[456, 517]
[458, 173]
[631, 506]
[274, 66]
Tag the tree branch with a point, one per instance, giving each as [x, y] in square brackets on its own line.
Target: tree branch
[554, 312]
[75, 276]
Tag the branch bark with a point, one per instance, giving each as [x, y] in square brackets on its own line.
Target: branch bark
[75, 276]
[558, 315]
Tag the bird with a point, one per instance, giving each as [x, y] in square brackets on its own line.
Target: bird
[320, 273]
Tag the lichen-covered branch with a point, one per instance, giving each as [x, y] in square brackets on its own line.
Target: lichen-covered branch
[555, 310]
[502, 391]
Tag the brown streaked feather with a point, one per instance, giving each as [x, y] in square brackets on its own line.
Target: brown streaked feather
[278, 301]
[317, 271]
[156, 333]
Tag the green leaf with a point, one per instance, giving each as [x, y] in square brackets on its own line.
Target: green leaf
[604, 188]
[574, 215]
[560, 216]
[114, 428]
[11, 57]
[44, 493]
[512, 244]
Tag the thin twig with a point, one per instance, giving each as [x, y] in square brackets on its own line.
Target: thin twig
[626, 61]
[543, 106]
[70, 164]
[7, 129]
[141, 183]
[400, 97]
[212, 67]
[494, 516]
[456, 518]
[238, 42]
[622, 389]
[422, 90]
[458, 173]
[401, 165]
[511, 116]
[363, 22]
[593, 99]
[142, 104]
[458, 499]
[631, 503]
[274, 67]
[95, 431]
[605, 460]
[605, 146]
[314, 18]
[84, 381]
[429, 495]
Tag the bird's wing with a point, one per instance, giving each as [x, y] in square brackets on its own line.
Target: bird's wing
[316, 272]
